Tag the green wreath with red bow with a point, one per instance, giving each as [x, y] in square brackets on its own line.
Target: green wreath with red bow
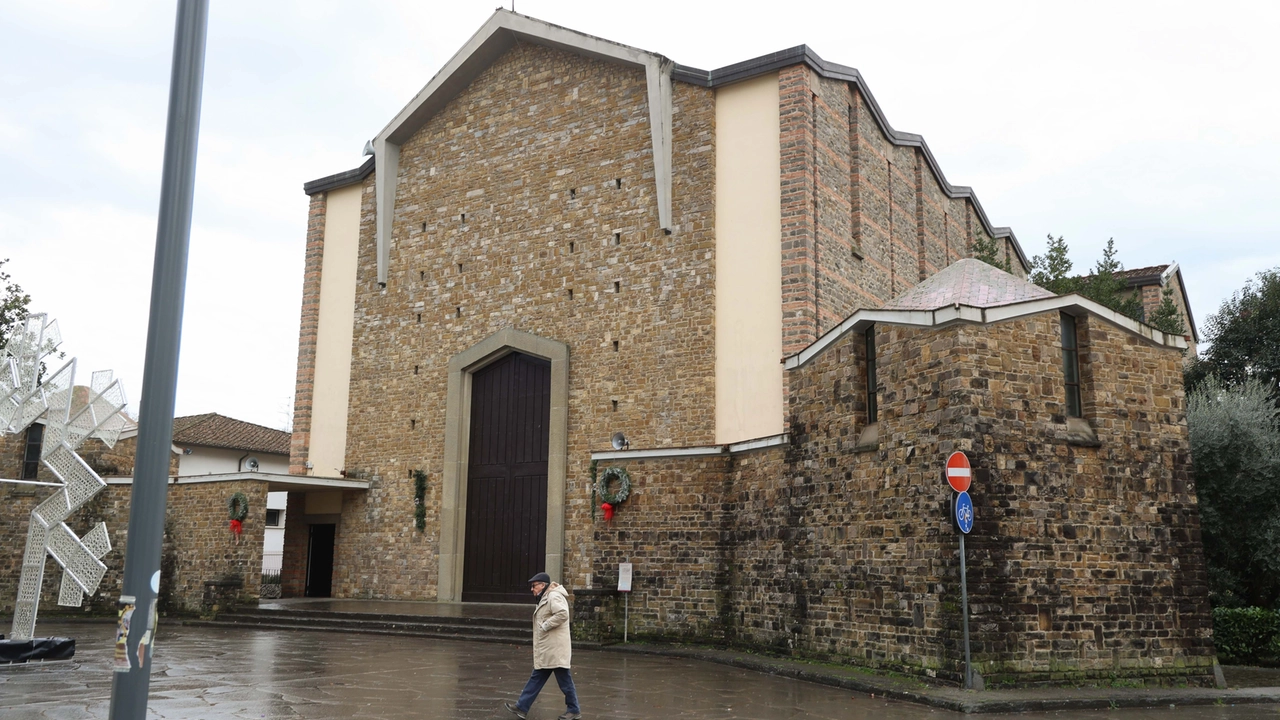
[237, 511]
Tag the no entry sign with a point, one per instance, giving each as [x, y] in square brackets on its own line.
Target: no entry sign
[958, 472]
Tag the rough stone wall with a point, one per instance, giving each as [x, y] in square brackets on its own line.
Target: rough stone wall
[202, 545]
[293, 565]
[1084, 563]
[198, 544]
[308, 329]
[675, 532]
[531, 154]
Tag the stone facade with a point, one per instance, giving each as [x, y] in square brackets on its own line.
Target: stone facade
[527, 200]
[564, 245]
[1084, 562]
[308, 328]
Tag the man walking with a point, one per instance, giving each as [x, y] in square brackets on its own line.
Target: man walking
[551, 648]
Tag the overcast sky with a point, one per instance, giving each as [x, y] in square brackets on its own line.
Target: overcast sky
[1157, 124]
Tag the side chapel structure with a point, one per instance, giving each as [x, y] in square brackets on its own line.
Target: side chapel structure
[764, 286]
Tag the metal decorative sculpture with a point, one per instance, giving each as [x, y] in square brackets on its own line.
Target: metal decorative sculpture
[25, 398]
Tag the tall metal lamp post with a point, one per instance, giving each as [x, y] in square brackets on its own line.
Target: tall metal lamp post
[160, 375]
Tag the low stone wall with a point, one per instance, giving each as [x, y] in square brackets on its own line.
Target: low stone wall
[198, 545]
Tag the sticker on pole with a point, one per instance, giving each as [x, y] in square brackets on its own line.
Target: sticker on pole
[964, 512]
[958, 472]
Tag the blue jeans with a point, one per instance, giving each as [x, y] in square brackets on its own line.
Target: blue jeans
[539, 678]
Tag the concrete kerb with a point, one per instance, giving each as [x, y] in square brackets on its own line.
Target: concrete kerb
[955, 699]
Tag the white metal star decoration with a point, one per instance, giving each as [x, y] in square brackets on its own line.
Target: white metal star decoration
[24, 399]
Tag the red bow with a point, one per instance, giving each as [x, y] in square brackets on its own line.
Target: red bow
[236, 527]
[608, 511]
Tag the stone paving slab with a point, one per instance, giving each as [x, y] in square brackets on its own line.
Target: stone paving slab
[242, 673]
[968, 701]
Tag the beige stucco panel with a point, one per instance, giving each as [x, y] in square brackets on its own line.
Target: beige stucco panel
[334, 332]
[749, 400]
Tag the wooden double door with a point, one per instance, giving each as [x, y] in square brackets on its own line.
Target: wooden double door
[506, 530]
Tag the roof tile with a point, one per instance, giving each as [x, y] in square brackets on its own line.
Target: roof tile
[214, 430]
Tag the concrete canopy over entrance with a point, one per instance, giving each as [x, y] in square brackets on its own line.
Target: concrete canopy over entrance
[456, 445]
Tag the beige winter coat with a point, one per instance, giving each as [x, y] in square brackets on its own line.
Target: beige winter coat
[551, 644]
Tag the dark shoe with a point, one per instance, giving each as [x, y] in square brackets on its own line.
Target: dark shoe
[515, 710]
[570, 716]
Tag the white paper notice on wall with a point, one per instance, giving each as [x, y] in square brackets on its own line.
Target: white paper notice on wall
[624, 577]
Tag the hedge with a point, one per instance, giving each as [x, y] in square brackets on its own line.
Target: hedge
[1247, 635]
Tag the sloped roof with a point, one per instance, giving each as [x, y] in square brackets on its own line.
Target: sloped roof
[214, 430]
[968, 282]
[1151, 274]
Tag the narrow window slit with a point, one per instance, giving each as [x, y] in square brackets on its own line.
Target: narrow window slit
[413, 424]
[615, 346]
[873, 411]
[617, 286]
[618, 182]
[459, 311]
[570, 293]
[615, 406]
[617, 238]
[422, 274]
[415, 369]
[573, 193]
[459, 268]
[571, 246]
[424, 227]
[419, 317]
[464, 218]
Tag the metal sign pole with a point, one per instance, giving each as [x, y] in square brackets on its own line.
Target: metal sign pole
[626, 615]
[964, 613]
[131, 686]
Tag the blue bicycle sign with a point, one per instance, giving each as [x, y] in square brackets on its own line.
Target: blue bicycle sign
[964, 512]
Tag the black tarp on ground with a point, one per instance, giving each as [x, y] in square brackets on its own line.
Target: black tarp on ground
[50, 648]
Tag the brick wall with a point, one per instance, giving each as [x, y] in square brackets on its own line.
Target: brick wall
[863, 219]
[531, 153]
[308, 328]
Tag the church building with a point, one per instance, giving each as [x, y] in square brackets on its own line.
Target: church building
[571, 267]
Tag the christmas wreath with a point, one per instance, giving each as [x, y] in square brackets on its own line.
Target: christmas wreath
[237, 511]
[613, 499]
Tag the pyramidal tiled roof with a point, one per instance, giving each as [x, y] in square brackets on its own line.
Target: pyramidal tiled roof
[214, 430]
[968, 282]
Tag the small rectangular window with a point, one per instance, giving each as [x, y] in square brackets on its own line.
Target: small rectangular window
[873, 410]
[31, 459]
[1071, 365]
[273, 518]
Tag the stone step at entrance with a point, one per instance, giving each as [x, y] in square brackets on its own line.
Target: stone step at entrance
[492, 623]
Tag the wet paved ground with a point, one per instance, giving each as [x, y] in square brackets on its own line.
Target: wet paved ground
[399, 607]
[215, 674]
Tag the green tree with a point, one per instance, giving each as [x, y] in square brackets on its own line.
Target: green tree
[1235, 455]
[1052, 271]
[1107, 288]
[1245, 335]
[990, 251]
[13, 305]
[1167, 317]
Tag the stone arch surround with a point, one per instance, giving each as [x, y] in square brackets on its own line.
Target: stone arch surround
[453, 511]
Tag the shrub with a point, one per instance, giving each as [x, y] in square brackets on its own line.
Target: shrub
[1246, 635]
